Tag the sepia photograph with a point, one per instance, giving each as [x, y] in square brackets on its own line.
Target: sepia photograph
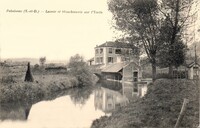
[99, 64]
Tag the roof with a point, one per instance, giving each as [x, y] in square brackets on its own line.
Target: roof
[116, 67]
[113, 68]
[193, 64]
[190, 63]
[136, 64]
[114, 44]
[92, 59]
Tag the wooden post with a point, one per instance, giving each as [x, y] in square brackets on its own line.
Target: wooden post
[180, 117]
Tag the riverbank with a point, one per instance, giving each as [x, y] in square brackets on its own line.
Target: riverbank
[159, 108]
[30, 91]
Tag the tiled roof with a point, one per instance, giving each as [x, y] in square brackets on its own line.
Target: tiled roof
[116, 67]
[113, 68]
[114, 44]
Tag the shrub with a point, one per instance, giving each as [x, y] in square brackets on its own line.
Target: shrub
[36, 66]
[8, 79]
[163, 75]
[80, 70]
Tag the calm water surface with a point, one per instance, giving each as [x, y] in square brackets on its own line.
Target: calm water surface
[75, 109]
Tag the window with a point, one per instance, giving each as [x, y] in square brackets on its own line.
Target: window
[135, 76]
[101, 59]
[118, 51]
[110, 50]
[101, 50]
[110, 59]
[97, 51]
[135, 88]
[97, 60]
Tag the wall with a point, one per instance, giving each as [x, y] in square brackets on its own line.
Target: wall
[113, 76]
[128, 71]
[105, 54]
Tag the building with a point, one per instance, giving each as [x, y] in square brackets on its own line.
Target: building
[127, 71]
[116, 61]
[193, 71]
[111, 52]
[91, 61]
[189, 70]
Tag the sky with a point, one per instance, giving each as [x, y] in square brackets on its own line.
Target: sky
[58, 36]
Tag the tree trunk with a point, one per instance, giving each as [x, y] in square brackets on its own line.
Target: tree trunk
[153, 64]
[170, 73]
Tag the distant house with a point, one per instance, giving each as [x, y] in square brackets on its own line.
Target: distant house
[193, 70]
[56, 68]
[189, 70]
[91, 61]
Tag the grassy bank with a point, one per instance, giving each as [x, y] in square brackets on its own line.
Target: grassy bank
[31, 91]
[46, 82]
[158, 109]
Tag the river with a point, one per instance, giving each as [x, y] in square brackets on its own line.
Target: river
[76, 108]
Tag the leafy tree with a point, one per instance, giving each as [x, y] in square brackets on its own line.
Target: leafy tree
[144, 19]
[177, 56]
[170, 54]
[177, 15]
[80, 96]
[79, 68]
[139, 18]
[42, 61]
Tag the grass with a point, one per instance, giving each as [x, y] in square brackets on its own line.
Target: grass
[31, 91]
[14, 89]
[158, 109]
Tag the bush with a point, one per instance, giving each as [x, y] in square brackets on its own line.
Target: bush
[36, 66]
[8, 79]
[80, 70]
[176, 74]
[146, 74]
[163, 75]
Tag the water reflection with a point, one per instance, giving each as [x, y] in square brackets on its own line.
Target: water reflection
[81, 95]
[107, 100]
[15, 111]
[110, 95]
[62, 109]
[20, 111]
[134, 91]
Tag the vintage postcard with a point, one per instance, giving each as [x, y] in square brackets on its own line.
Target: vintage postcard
[99, 63]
